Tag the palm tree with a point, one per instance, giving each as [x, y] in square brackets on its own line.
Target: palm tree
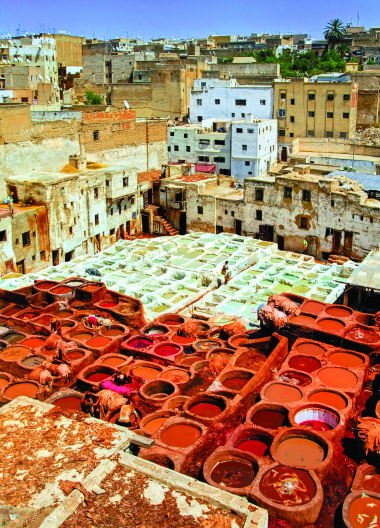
[334, 32]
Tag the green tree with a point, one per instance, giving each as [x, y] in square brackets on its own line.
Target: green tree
[334, 32]
[92, 98]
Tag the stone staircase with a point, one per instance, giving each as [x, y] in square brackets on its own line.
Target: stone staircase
[169, 229]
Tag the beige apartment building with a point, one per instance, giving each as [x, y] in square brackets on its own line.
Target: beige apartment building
[307, 108]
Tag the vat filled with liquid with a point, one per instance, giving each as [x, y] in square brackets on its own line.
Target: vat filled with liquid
[98, 341]
[336, 377]
[206, 407]
[331, 398]
[181, 435]
[346, 359]
[167, 349]
[331, 325]
[235, 380]
[301, 448]
[281, 393]
[304, 363]
[22, 388]
[308, 347]
[316, 417]
[176, 375]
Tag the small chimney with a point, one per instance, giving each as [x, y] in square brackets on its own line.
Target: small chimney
[79, 162]
[248, 118]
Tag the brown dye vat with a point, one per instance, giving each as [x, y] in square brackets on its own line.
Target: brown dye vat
[27, 316]
[82, 336]
[147, 373]
[364, 319]
[64, 314]
[238, 340]
[288, 486]
[32, 361]
[338, 311]
[270, 418]
[362, 335]
[339, 378]
[294, 378]
[11, 311]
[364, 512]
[154, 330]
[69, 402]
[158, 389]
[203, 346]
[282, 393]
[331, 325]
[14, 353]
[178, 376]
[61, 290]
[310, 348]
[346, 359]
[233, 473]
[113, 332]
[302, 319]
[187, 362]
[235, 380]
[304, 363]
[180, 435]
[175, 403]
[44, 320]
[300, 451]
[98, 342]
[33, 342]
[313, 307]
[97, 377]
[75, 355]
[330, 398]
[371, 483]
[24, 388]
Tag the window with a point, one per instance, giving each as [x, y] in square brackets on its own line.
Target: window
[283, 95]
[232, 213]
[263, 102]
[281, 112]
[343, 134]
[125, 181]
[239, 131]
[71, 230]
[176, 148]
[169, 149]
[111, 211]
[96, 219]
[311, 96]
[26, 239]
[203, 85]
[291, 134]
[24, 99]
[219, 159]
[329, 133]
[330, 115]
[200, 209]
[329, 231]
[217, 101]
[240, 102]
[281, 132]
[250, 130]
[17, 242]
[3, 236]
[172, 134]
[233, 114]
[332, 203]
[362, 218]
[242, 115]
[306, 196]
[42, 255]
[311, 114]
[259, 195]
[220, 142]
[292, 102]
[292, 119]
[203, 158]
[199, 119]
[259, 214]
[303, 222]
[330, 97]
[188, 149]
[133, 200]
[371, 219]
[96, 192]
[185, 136]
[244, 147]
[247, 163]
[112, 231]
[346, 97]
[95, 135]
[288, 192]
[310, 133]
[199, 102]
[225, 211]
[346, 115]
[33, 257]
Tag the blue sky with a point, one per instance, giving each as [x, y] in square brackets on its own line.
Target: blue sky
[177, 18]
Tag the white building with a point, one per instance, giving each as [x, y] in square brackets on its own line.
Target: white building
[220, 100]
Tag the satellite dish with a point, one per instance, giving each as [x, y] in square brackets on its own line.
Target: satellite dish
[126, 104]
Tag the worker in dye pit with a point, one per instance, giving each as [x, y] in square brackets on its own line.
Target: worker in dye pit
[92, 321]
[305, 245]
[227, 277]
[129, 415]
[225, 268]
[87, 404]
[55, 324]
[60, 356]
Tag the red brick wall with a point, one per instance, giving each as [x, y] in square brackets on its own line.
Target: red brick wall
[109, 117]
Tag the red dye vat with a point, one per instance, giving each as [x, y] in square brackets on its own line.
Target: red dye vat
[235, 384]
[288, 486]
[33, 342]
[337, 377]
[75, 355]
[45, 285]
[304, 363]
[114, 332]
[61, 290]
[167, 350]
[147, 373]
[180, 435]
[269, 419]
[176, 376]
[113, 361]
[27, 316]
[344, 359]
[108, 304]
[3, 382]
[338, 311]
[362, 334]
[316, 425]
[70, 402]
[21, 389]
[233, 473]
[303, 319]
[181, 340]
[331, 325]
[98, 342]
[45, 321]
[206, 410]
[282, 393]
[372, 483]
[11, 311]
[365, 512]
[97, 377]
[311, 348]
[173, 323]
[140, 342]
[257, 447]
[313, 307]
[328, 398]
[153, 425]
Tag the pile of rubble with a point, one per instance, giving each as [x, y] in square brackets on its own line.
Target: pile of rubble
[370, 136]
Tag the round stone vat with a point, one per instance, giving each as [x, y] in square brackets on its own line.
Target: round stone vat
[14, 353]
[303, 319]
[43, 285]
[203, 346]
[183, 341]
[189, 361]
[198, 366]
[304, 363]
[146, 370]
[115, 331]
[114, 415]
[44, 320]
[175, 403]
[361, 334]
[237, 340]
[207, 408]
[364, 319]
[337, 377]
[231, 470]
[20, 388]
[270, 416]
[13, 337]
[338, 310]
[108, 303]
[67, 324]
[204, 327]
[317, 417]
[151, 423]
[351, 360]
[177, 375]
[70, 401]
[235, 380]
[313, 307]
[92, 376]
[64, 314]
[331, 398]
[98, 342]
[252, 440]
[157, 391]
[82, 337]
[74, 283]
[361, 509]
[5, 379]
[33, 342]
[180, 433]
[167, 349]
[31, 362]
[27, 315]
[160, 460]
[75, 354]
[112, 360]
[156, 330]
[281, 393]
[222, 350]
[288, 493]
[137, 343]
[333, 326]
[62, 291]
[310, 347]
[294, 377]
[11, 312]
[170, 319]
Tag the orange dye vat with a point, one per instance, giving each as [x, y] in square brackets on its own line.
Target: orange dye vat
[21, 389]
[180, 435]
[33, 342]
[70, 402]
[97, 377]
[14, 353]
[328, 398]
[337, 377]
[98, 342]
[181, 340]
[146, 373]
[300, 451]
[113, 361]
[313, 307]
[331, 325]
[3, 382]
[345, 359]
[365, 512]
[304, 363]
[61, 290]
[310, 348]
[176, 376]
[338, 311]
[282, 393]
[153, 425]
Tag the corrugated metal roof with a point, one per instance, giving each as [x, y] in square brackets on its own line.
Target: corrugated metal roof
[367, 274]
[370, 182]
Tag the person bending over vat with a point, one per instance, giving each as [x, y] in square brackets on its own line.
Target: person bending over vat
[92, 321]
[55, 325]
[129, 416]
[87, 404]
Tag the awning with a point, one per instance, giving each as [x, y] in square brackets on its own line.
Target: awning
[210, 169]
